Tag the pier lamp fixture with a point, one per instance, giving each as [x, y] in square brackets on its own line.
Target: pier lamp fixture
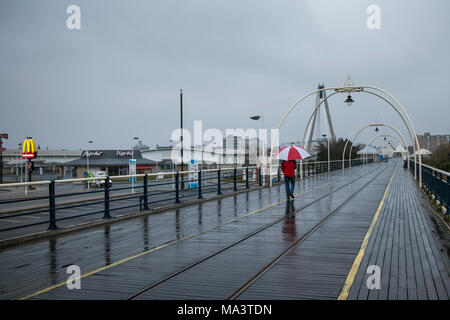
[349, 83]
[349, 100]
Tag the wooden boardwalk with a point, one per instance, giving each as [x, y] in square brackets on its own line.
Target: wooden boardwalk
[406, 246]
[255, 245]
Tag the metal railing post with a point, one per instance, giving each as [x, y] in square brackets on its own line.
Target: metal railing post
[259, 177]
[246, 178]
[107, 215]
[447, 199]
[52, 205]
[177, 187]
[219, 191]
[146, 192]
[199, 184]
[302, 173]
[234, 179]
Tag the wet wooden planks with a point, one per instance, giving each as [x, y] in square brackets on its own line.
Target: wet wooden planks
[318, 267]
[220, 275]
[405, 245]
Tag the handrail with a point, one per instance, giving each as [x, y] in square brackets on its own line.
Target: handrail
[142, 196]
[433, 168]
[23, 184]
[60, 181]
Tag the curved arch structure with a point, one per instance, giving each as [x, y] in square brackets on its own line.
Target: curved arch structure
[391, 136]
[349, 89]
[387, 101]
[370, 92]
[361, 129]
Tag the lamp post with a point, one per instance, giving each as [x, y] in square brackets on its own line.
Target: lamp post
[132, 148]
[203, 165]
[2, 136]
[328, 149]
[87, 162]
[64, 167]
[182, 147]
[129, 166]
[257, 136]
[156, 169]
[19, 162]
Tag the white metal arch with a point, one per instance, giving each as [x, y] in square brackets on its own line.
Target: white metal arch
[351, 89]
[365, 127]
[387, 101]
[383, 135]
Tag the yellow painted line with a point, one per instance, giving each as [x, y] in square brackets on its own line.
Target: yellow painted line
[357, 262]
[166, 244]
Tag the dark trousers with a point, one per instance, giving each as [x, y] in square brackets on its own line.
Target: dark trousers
[290, 185]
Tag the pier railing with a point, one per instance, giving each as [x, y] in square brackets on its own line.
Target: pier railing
[54, 202]
[436, 182]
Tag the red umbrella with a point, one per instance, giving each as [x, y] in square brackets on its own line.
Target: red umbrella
[292, 153]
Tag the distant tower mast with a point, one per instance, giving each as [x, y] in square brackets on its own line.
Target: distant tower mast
[321, 95]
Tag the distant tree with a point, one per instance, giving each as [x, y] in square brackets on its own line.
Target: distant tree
[336, 149]
[440, 158]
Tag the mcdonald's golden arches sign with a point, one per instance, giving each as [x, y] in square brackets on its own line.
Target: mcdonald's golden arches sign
[29, 150]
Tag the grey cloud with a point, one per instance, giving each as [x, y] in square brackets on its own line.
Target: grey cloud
[120, 75]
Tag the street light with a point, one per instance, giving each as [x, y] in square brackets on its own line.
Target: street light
[132, 148]
[87, 163]
[64, 167]
[182, 147]
[156, 161]
[129, 166]
[19, 162]
[257, 117]
[203, 165]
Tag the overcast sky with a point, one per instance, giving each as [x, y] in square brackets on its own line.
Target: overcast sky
[119, 75]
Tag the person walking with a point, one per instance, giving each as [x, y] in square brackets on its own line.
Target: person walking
[288, 168]
[289, 154]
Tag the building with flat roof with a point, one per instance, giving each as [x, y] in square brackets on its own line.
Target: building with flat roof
[113, 162]
[45, 164]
